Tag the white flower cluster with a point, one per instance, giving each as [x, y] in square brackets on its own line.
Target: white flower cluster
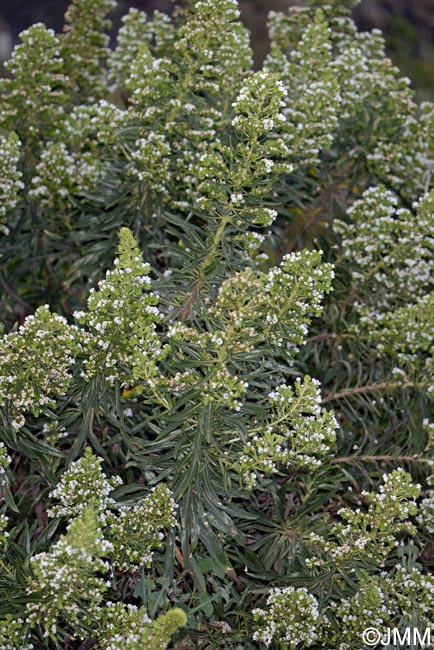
[151, 158]
[222, 61]
[252, 309]
[122, 342]
[396, 149]
[84, 46]
[102, 535]
[13, 634]
[5, 461]
[60, 173]
[287, 29]
[83, 486]
[130, 628]
[122, 627]
[167, 108]
[137, 531]
[259, 85]
[370, 535]
[335, 74]
[411, 594]
[293, 293]
[149, 81]
[32, 99]
[75, 163]
[223, 385]
[72, 575]
[425, 515]
[253, 240]
[4, 520]
[383, 242]
[297, 432]
[135, 29]
[134, 531]
[404, 334]
[276, 306]
[36, 363]
[290, 618]
[151, 86]
[71, 579]
[403, 164]
[367, 608]
[312, 96]
[10, 175]
[90, 125]
[390, 251]
[381, 600]
[260, 157]
[164, 33]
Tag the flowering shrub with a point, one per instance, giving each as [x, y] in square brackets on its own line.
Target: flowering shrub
[291, 614]
[216, 371]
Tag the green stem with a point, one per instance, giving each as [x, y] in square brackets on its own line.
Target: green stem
[371, 388]
[376, 459]
[331, 335]
[206, 262]
[369, 275]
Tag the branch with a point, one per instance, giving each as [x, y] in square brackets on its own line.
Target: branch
[14, 295]
[376, 459]
[370, 388]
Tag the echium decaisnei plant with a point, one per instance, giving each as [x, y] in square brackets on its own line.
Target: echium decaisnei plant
[380, 132]
[33, 98]
[391, 293]
[102, 534]
[43, 348]
[10, 176]
[212, 367]
[214, 436]
[136, 30]
[313, 93]
[49, 75]
[385, 283]
[295, 617]
[84, 48]
[68, 586]
[177, 121]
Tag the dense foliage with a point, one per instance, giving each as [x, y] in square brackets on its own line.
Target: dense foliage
[216, 372]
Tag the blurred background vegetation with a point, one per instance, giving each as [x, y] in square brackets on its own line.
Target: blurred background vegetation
[407, 24]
